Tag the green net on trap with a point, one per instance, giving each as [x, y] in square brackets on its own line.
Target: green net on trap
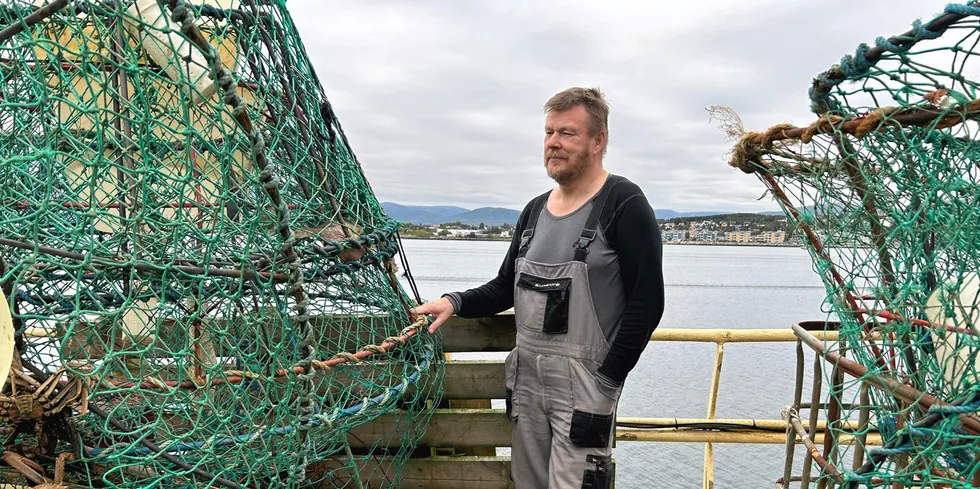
[202, 282]
[884, 186]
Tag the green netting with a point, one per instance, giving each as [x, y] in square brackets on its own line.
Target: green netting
[885, 187]
[202, 281]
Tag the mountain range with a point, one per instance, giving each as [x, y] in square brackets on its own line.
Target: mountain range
[439, 214]
[495, 216]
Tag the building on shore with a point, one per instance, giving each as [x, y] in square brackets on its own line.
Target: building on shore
[739, 236]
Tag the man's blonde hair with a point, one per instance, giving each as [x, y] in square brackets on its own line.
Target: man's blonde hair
[594, 102]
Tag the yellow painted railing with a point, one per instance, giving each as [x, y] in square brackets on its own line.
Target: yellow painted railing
[748, 430]
[498, 333]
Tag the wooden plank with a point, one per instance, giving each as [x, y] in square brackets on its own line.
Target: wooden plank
[463, 379]
[447, 428]
[475, 379]
[489, 472]
[494, 333]
[464, 388]
[424, 473]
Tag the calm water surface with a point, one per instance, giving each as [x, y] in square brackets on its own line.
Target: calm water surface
[706, 287]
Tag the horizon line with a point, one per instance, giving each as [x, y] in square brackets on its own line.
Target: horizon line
[382, 202]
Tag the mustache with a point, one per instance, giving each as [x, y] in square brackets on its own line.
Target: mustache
[552, 154]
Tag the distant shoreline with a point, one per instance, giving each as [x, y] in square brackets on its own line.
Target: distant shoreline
[679, 243]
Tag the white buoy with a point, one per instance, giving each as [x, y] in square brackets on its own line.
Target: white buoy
[956, 353]
[6, 339]
[162, 41]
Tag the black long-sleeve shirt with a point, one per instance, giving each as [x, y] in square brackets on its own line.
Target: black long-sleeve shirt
[630, 227]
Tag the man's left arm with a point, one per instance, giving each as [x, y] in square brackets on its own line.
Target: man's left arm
[636, 239]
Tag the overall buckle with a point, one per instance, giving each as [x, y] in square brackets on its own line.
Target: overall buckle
[587, 235]
[526, 237]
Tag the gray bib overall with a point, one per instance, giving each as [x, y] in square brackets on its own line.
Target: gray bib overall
[563, 417]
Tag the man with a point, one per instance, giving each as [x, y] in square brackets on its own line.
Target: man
[584, 276]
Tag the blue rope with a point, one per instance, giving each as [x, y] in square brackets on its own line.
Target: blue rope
[856, 65]
[887, 45]
[920, 31]
[962, 9]
[888, 451]
[948, 409]
[391, 395]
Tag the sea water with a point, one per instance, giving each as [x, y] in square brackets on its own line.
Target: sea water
[737, 287]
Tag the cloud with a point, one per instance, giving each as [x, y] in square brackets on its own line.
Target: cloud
[442, 99]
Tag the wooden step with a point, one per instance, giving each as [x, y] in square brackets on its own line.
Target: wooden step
[461, 428]
[435, 473]
[426, 473]
[494, 333]
[463, 379]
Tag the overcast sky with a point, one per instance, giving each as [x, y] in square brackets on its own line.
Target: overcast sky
[442, 100]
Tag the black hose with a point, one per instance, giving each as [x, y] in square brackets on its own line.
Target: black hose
[408, 270]
[707, 425]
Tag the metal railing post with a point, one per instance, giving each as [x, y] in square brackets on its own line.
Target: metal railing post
[864, 414]
[814, 413]
[797, 400]
[709, 458]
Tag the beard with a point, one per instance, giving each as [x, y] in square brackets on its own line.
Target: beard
[570, 169]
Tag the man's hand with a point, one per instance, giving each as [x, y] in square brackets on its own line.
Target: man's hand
[440, 309]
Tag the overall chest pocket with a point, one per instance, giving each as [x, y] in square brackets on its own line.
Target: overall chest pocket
[544, 302]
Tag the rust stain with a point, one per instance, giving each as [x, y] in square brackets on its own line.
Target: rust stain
[627, 436]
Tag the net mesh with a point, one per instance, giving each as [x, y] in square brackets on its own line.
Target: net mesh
[202, 281]
[884, 186]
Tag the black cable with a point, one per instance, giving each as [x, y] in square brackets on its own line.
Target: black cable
[709, 425]
[408, 270]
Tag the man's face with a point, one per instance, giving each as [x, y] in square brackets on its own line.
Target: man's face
[567, 145]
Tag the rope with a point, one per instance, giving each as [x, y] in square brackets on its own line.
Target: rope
[185, 17]
[865, 58]
[188, 231]
[881, 188]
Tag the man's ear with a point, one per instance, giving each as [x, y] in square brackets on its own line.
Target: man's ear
[599, 142]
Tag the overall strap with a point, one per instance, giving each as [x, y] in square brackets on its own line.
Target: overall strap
[531, 222]
[581, 244]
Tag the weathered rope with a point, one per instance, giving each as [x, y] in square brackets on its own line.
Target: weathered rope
[882, 190]
[179, 201]
[752, 145]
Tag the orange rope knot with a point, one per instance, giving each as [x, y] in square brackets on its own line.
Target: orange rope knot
[823, 125]
[420, 323]
[374, 349]
[321, 365]
[872, 122]
[745, 151]
[346, 356]
[777, 132]
[395, 339]
[245, 374]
